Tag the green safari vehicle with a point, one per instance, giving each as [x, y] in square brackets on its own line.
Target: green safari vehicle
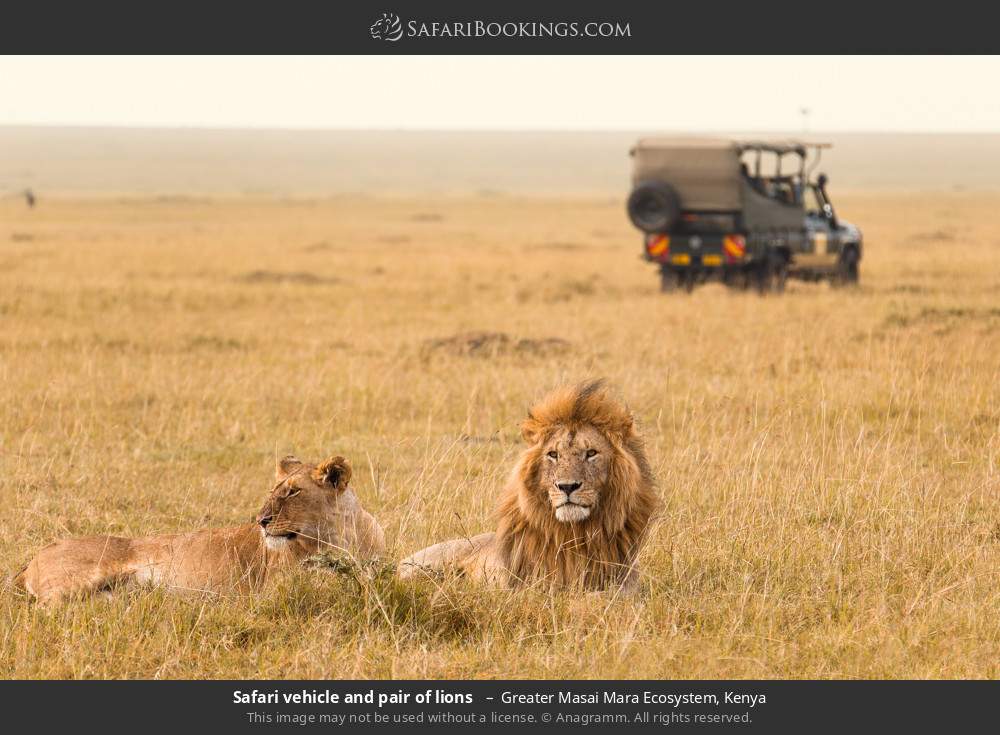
[728, 210]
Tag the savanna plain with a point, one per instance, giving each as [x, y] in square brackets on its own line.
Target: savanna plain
[828, 459]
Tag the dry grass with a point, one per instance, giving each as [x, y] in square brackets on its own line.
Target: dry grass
[829, 461]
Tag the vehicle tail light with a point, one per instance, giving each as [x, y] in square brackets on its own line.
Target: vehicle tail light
[735, 247]
[658, 246]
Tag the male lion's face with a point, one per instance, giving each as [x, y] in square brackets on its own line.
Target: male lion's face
[574, 471]
[302, 510]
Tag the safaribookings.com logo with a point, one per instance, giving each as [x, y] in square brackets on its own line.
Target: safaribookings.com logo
[390, 28]
[387, 28]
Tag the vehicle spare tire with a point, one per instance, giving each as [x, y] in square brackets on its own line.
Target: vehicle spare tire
[654, 206]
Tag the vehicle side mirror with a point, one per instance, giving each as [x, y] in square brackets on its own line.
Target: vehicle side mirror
[821, 180]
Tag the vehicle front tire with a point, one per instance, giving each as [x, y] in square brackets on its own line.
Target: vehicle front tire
[848, 270]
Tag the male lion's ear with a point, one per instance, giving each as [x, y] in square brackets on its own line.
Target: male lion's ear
[335, 472]
[531, 430]
[626, 427]
[620, 429]
[286, 466]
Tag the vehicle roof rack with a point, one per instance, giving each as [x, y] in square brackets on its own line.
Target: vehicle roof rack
[781, 147]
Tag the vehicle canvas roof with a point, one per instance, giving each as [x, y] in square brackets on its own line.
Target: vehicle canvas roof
[704, 171]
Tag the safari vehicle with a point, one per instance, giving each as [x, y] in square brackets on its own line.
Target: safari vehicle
[726, 209]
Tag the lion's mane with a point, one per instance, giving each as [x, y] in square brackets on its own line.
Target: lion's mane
[601, 550]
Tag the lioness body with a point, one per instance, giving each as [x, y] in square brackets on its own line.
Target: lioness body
[310, 508]
[208, 560]
[576, 508]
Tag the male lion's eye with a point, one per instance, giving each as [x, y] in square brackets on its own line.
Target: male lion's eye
[553, 455]
[591, 453]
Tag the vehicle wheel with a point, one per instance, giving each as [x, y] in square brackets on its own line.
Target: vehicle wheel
[669, 281]
[654, 206]
[847, 268]
[762, 278]
[771, 275]
[779, 275]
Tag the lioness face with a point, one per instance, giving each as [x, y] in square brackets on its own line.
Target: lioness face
[574, 472]
[302, 510]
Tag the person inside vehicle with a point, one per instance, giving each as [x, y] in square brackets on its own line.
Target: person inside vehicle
[758, 183]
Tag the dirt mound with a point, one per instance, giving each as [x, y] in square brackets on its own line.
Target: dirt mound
[552, 290]
[318, 247]
[933, 237]
[492, 344]
[300, 277]
[556, 245]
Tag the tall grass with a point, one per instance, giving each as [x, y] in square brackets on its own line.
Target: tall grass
[828, 460]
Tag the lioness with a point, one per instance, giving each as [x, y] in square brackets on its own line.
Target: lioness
[576, 508]
[311, 507]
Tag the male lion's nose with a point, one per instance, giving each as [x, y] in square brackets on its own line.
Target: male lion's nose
[264, 520]
[568, 487]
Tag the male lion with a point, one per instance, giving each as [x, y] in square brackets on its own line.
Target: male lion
[310, 507]
[576, 508]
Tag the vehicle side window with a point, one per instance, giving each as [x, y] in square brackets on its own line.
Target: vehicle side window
[765, 175]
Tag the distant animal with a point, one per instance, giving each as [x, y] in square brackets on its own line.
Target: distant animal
[310, 508]
[576, 509]
[29, 198]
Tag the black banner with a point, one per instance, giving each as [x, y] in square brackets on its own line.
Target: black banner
[460, 706]
[513, 27]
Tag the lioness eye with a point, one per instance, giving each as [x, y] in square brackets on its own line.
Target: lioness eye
[591, 453]
[554, 455]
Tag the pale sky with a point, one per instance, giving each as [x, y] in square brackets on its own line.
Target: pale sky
[920, 94]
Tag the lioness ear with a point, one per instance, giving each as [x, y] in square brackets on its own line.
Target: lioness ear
[335, 472]
[286, 466]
